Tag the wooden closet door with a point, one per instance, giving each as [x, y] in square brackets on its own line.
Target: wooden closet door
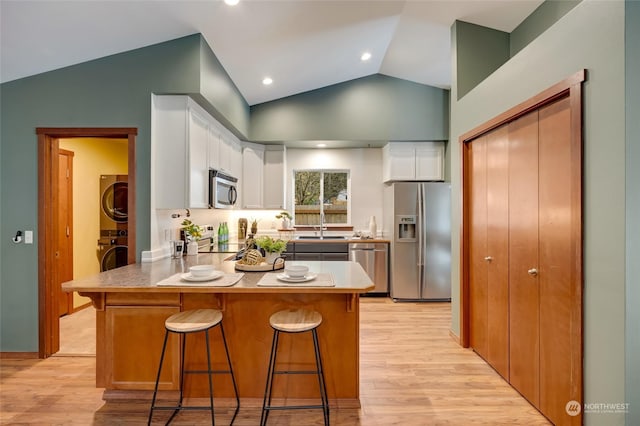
[478, 247]
[489, 248]
[560, 325]
[497, 255]
[524, 371]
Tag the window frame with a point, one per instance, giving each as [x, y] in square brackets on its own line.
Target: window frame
[322, 173]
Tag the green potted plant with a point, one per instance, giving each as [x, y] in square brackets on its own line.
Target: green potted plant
[192, 234]
[286, 219]
[272, 247]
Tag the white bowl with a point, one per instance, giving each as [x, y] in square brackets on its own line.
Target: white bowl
[201, 270]
[296, 271]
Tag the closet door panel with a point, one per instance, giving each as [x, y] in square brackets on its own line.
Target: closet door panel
[498, 249]
[523, 257]
[478, 247]
[560, 379]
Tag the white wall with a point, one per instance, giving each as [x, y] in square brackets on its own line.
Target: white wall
[365, 167]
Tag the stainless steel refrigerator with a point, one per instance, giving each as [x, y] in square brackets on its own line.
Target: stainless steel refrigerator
[420, 225]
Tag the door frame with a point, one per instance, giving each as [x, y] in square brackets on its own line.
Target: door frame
[48, 147]
[70, 155]
[572, 87]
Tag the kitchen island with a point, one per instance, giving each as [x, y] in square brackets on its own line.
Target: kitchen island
[131, 310]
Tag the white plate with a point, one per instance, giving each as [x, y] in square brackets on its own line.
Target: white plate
[213, 276]
[284, 277]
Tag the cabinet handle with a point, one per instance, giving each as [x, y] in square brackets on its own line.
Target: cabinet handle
[533, 272]
[488, 258]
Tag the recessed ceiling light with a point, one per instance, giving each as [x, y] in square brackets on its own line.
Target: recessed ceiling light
[231, 2]
[267, 81]
[365, 56]
[321, 145]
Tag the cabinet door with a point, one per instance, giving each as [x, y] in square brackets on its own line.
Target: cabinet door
[308, 256]
[402, 162]
[224, 154]
[429, 161]
[252, 170]
[170, 163]
[134, 337]
[235, 158]
[198, 161]
[524, 331]
[214, 147]
[335, 256]
[274, 179]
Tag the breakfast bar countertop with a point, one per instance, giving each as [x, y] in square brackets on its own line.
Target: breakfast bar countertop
[349, 277]
[131, 310]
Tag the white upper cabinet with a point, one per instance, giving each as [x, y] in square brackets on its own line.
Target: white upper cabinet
[263, 176]
[252, 175]
[413, 161]
[186, 141]
[198, 147]
[274, 177]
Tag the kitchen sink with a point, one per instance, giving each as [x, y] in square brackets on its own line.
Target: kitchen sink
[318, 237]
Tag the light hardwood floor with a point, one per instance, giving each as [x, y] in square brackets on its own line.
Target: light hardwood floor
[412, 373]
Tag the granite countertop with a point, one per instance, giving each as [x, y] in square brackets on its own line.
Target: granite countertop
[349, 277]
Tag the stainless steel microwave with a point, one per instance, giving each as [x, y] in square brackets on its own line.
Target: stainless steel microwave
[223, 192]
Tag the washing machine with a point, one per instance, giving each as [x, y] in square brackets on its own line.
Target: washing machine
[112, 252]
[114, 212]
[112, 244]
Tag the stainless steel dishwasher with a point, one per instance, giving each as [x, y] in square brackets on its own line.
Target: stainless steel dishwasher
[374, 259]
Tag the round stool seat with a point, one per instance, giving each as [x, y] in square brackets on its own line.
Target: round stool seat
[295, 320]
[194, 320]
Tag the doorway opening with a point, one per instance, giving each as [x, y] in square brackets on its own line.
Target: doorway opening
[52, 270]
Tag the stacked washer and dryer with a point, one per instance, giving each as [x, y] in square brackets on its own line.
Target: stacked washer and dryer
[112, 244]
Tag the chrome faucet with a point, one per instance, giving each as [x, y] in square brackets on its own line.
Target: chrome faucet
[321, 225]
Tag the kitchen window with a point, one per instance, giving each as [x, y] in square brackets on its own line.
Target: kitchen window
[330, 186]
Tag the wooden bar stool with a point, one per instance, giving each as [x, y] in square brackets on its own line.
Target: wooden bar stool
[294, 321]
[184, 323]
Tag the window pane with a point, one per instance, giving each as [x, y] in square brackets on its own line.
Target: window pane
[307, 198]
[335, 197]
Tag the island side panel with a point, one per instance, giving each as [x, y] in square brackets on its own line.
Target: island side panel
[249, 336]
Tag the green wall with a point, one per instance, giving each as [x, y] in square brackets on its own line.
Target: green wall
[114, 91]
[589, 36]
[632, 41]
[547, 14]
[373, 108]
[219, 95]
[479, 52]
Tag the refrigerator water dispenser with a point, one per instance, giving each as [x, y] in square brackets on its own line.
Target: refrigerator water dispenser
[406, 226]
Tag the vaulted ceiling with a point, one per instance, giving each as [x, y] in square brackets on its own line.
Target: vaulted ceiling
[301, 44]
